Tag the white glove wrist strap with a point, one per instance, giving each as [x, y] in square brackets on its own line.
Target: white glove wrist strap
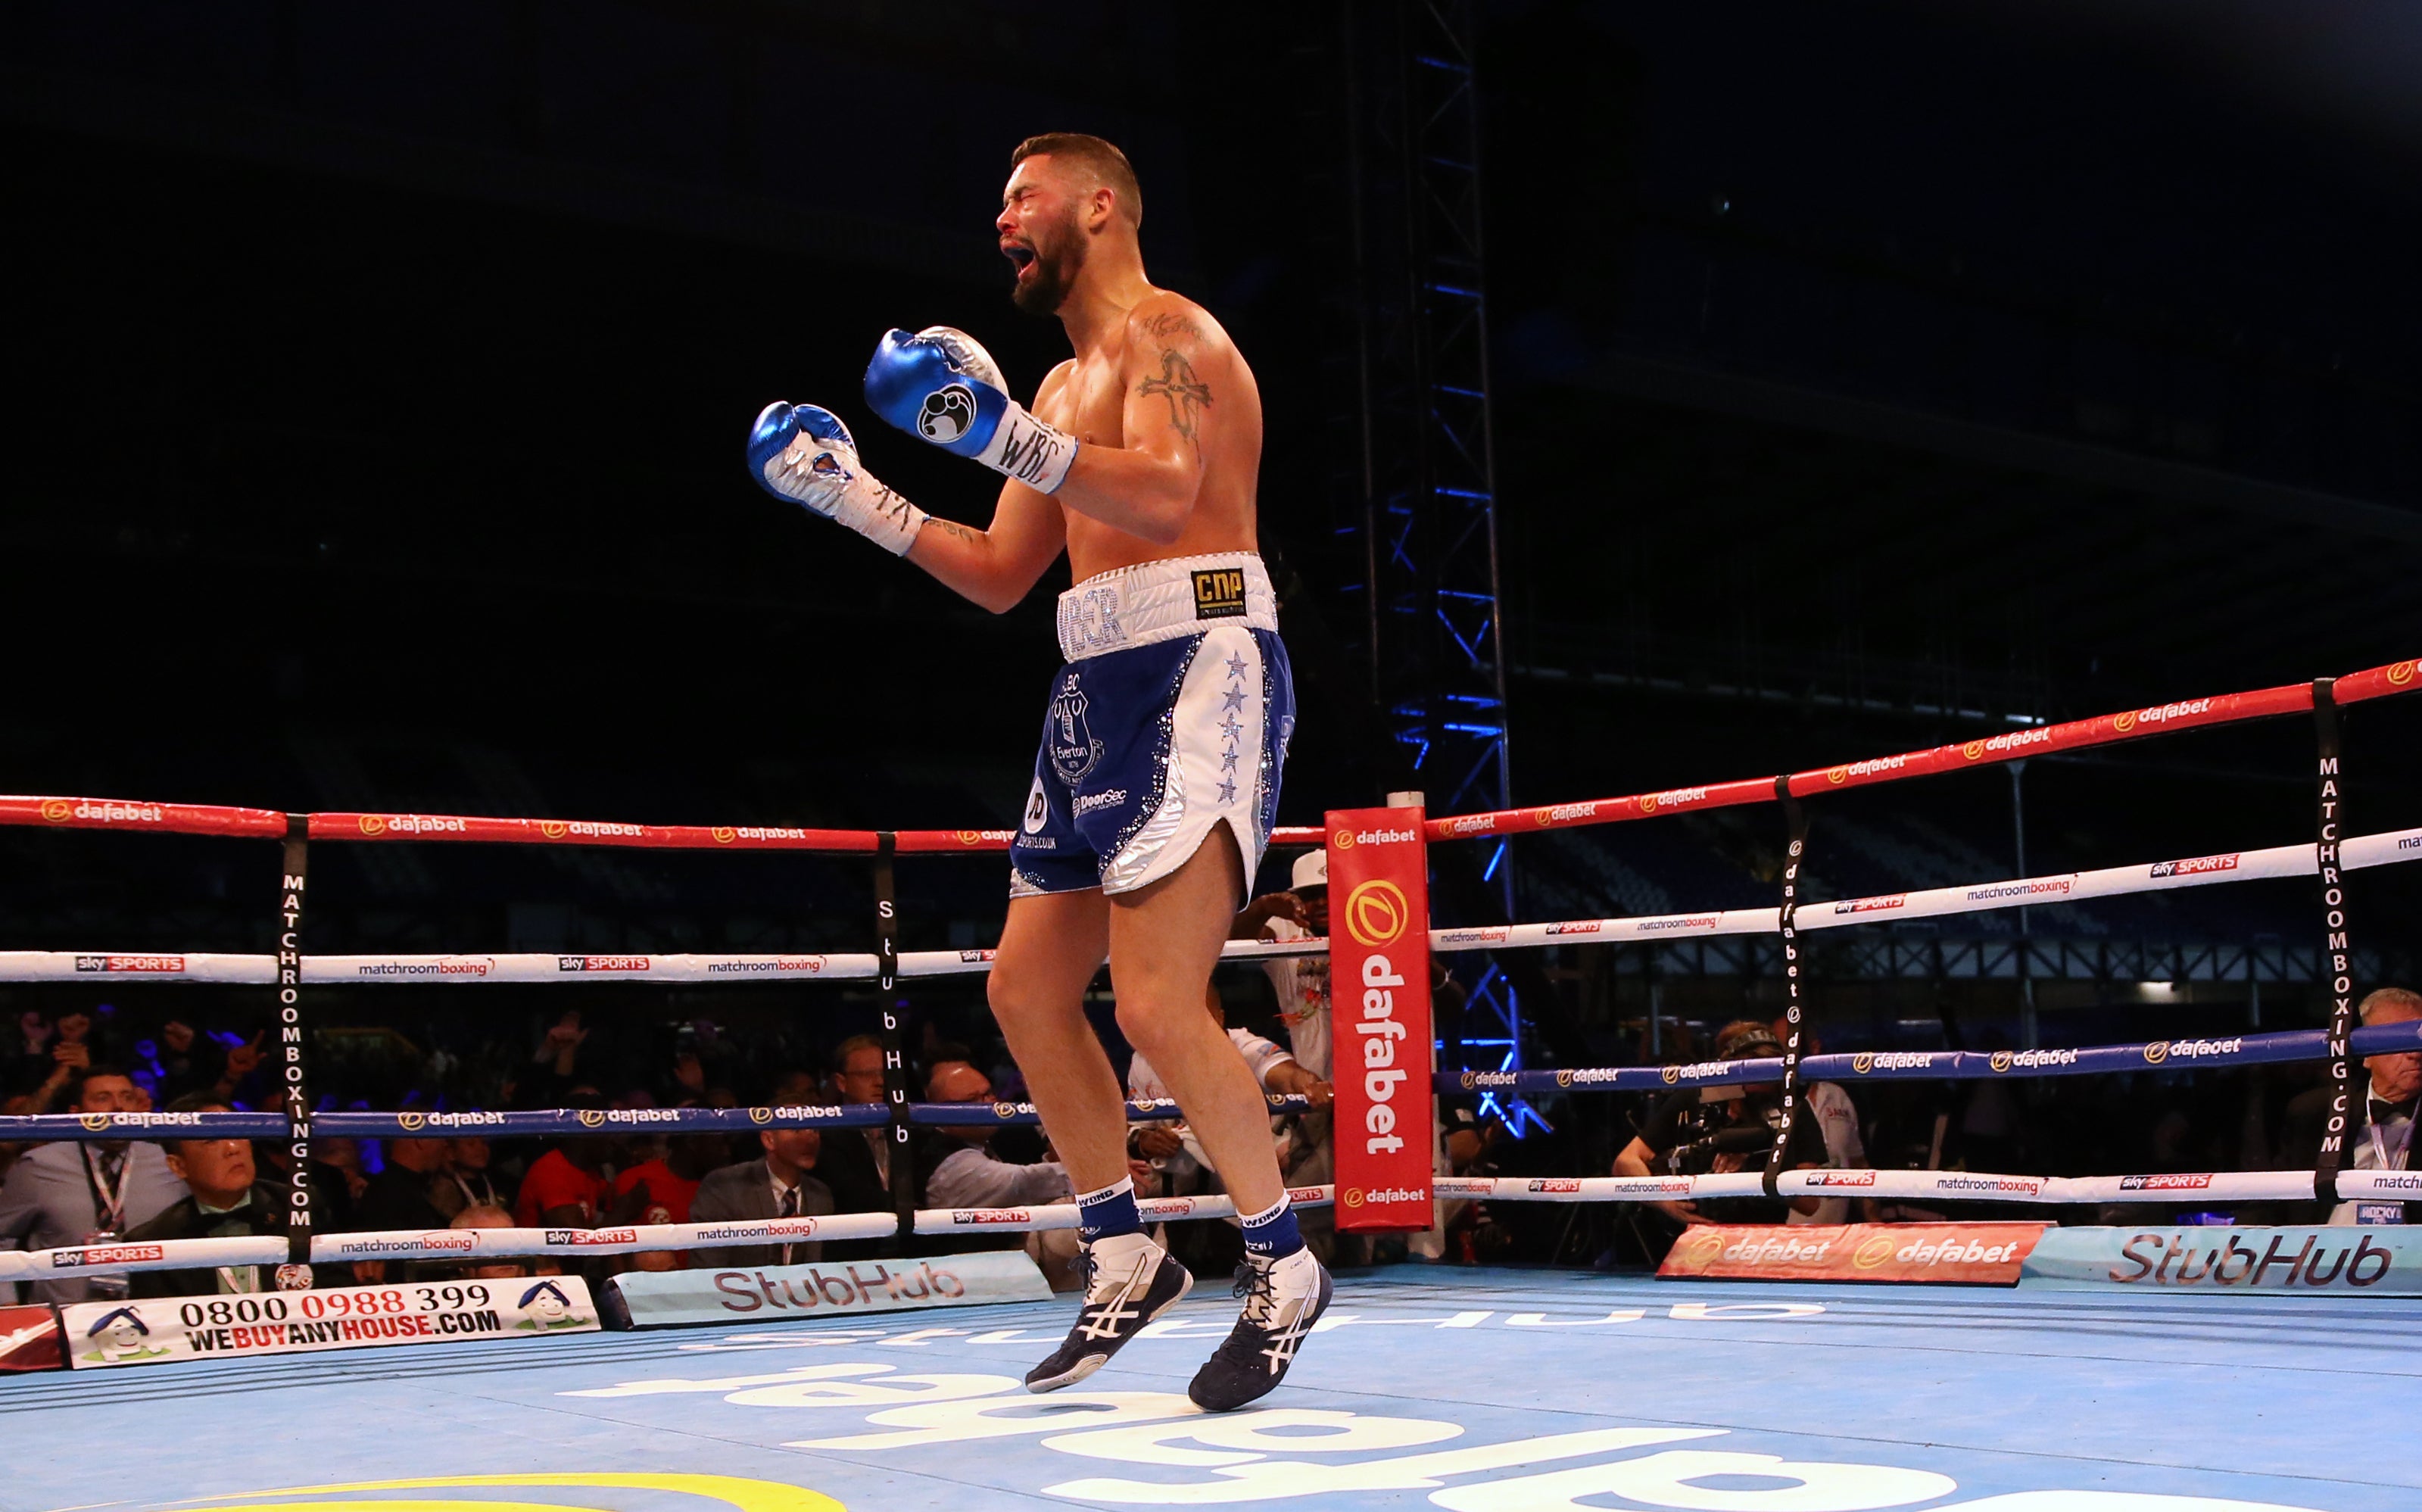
[879, 514]
[1035, 453]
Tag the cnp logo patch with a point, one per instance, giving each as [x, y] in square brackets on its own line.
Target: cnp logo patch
[57, 811]
[724, 834]
[1672, 1074]
[372, 823]
[1704, 1246]
[761, 1115]
[1972, 750]
[592, 1118]
[1351, 1196]
[2402, 673]
[2157, 1052]
[2002, 1062]
[1343, 840]
[94, 1123]
[1873, 1251]
[1004, 1110]
[1838, 775]
[1862, 1063]
[2123, 723]
[412, 1123]
[1377, 913]
[553, 829]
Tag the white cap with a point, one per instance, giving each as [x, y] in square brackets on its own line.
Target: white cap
[1311, 870]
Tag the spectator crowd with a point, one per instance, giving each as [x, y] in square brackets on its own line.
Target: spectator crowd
[73, 1192]
[66, 1194]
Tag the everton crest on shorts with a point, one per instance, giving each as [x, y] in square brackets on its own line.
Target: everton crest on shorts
[1172, 714]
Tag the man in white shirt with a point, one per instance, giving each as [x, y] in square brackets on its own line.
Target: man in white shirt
[1301, 981]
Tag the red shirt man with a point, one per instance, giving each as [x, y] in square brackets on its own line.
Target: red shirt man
[557, 1183]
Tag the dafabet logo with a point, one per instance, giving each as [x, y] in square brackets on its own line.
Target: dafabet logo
[1376, 913]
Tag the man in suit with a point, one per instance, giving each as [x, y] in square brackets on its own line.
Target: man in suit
[224, 1200]
[856, 1163]
[73, 1193]
[776, 1186]
[2381, 1136]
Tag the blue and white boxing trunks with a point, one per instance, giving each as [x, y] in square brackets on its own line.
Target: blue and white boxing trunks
[1172, 714]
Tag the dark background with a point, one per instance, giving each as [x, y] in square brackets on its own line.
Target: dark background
[1867, 376]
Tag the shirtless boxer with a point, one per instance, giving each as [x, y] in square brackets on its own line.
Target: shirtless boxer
[1157, 781]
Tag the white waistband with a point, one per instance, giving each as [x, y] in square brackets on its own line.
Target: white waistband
[1162, 600]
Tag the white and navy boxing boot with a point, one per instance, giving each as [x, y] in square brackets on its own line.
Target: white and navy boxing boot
[1283, 1299]
[1129, 1281]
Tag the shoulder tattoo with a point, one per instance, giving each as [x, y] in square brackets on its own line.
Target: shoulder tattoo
[1170, 325]
[1188, 394]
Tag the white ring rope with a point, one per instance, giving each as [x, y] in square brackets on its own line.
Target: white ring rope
[2384, 849]
[456, 1246]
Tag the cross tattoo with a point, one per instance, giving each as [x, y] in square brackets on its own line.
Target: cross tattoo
[1185, 393]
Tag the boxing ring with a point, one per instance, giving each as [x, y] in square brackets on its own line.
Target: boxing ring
[1476, 1390]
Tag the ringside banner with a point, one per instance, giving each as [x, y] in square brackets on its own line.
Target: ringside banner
[158, 1330]
[29, 1339]
[1380, 970]
[1972, 1255]
[660, 1298]
[2352, 1260]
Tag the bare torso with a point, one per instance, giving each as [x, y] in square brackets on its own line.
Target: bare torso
[1206, 389]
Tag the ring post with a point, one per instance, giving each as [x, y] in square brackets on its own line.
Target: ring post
[1786, 917]
[895, 1064]
[2337, 959]
[1379, 949]
[296, 858]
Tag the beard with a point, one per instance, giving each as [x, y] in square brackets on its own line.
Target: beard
[1052, 274]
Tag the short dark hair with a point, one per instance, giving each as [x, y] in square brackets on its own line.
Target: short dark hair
[196, 1102]
[1108, 166]
[99, 1068]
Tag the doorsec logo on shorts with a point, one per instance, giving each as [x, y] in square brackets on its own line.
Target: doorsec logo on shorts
[1377, 913]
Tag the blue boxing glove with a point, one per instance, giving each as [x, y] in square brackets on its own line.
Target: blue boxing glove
[807, 456]
[941, 385]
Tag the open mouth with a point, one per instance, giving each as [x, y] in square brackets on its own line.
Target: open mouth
[1021, 257]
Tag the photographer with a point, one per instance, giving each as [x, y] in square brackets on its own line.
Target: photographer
[1713, 1130]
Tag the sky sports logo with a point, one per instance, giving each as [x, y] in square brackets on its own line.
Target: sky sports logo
[106, 1254]
[601, 962]
[2197, 1182]
[1859, 905]
[133, 964]
[2199, 866]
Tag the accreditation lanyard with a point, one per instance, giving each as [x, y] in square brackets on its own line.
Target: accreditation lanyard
[2392, 1156]
[108, 1207]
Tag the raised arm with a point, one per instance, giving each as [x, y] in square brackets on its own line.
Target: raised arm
[941, 385]
[996, 566]
[807, 456]
[1147, 487]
